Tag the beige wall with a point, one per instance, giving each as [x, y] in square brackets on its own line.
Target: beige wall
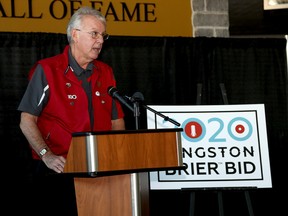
[147, 17]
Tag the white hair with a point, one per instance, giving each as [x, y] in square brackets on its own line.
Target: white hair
[76, 19]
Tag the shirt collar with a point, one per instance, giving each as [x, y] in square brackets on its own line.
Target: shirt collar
[76, 67]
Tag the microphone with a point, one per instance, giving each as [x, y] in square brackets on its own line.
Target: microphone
[138, 96]
[114, 93]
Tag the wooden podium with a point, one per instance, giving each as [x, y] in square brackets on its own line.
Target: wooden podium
[110, 169]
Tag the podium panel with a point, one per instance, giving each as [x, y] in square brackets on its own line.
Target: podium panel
[104, 195]
[124, 151]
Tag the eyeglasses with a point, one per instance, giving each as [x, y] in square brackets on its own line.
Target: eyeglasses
[96, 35]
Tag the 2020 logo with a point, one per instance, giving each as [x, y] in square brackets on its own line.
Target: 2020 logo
[238, 128]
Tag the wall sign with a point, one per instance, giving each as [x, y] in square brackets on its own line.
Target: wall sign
[275, 4]
[126, 18]
[223, 146]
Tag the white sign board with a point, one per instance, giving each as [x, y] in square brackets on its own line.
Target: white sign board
[223, 146]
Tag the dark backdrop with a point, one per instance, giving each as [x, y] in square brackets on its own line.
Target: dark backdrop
[166, 70]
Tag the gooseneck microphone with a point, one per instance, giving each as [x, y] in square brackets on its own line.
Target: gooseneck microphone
[135, 99]
[114, 93]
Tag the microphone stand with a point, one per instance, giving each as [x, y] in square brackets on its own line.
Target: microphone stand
[138, 97]
[166, 118]
[136, 113]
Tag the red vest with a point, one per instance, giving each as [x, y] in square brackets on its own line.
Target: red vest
[67, 109]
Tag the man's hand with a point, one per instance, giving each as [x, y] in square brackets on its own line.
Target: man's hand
[54, 162]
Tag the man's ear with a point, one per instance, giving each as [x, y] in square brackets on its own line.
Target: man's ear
[75, 35]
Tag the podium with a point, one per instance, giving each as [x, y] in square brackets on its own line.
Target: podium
[110, 168]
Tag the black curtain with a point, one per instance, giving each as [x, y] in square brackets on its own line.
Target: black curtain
[167, 70]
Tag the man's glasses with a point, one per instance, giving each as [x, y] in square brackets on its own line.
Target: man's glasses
[96, 35]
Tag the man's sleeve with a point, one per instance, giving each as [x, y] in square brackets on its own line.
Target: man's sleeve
[36, 94]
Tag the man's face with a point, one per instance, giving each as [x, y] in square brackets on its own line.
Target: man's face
[88, 39]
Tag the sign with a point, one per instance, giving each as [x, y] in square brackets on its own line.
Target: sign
[275, 4]
[223, 146]
[125, 18]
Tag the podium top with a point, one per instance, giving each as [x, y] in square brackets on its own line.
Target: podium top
[87, 133]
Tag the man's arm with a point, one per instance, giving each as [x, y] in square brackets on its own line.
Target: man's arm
[28, 125]
[118, 124]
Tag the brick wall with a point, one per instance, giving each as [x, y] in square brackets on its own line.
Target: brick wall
[210, 18]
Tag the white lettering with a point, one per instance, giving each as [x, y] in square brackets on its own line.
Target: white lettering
[72, 97]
